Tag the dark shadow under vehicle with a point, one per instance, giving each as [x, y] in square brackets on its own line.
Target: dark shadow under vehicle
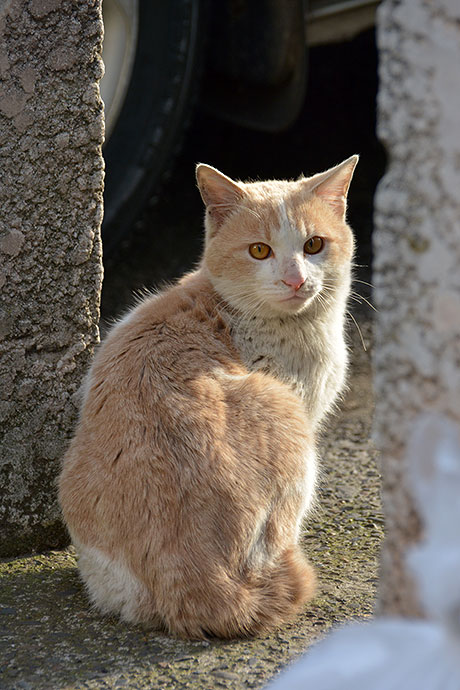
[244, 62]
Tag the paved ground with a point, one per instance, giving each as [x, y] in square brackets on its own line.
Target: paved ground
[48, 636]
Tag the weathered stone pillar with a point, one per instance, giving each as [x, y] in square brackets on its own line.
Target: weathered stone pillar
[417, 253]
[51, 181]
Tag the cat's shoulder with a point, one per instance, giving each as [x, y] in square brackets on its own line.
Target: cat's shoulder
[166, 308]
[177, 316]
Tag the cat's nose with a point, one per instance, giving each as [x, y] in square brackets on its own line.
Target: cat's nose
[295, 282]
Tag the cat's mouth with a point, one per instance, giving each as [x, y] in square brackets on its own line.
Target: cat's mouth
[296, 296]
[296, 300]
[299, 296]
[299, 299]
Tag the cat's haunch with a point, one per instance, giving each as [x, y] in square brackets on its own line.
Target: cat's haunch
[193, 463]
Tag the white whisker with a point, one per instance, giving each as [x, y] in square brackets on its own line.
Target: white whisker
[363, 282]
[358, 328]
[360, 299]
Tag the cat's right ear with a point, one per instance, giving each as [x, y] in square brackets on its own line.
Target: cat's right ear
[220, 193]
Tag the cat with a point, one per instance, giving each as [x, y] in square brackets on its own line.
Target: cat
[194, 462]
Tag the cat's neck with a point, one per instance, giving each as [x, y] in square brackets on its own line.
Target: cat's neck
[307, 350]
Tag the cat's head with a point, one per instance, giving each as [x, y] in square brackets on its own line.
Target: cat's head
[277, 247]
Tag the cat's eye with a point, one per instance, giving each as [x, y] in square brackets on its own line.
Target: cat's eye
[259, 250]
[313, 245]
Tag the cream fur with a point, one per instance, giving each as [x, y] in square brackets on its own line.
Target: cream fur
[112, 588]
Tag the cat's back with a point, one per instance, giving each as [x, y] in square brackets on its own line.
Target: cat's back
[169, 373]
[152, 392]
[169, 405]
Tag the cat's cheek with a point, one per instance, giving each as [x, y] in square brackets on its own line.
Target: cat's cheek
[269, 286]
[341, 248]
[269, 272]
[269, 276]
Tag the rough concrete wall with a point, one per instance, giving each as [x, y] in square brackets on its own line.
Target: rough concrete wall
[417, 252]
[51, 128]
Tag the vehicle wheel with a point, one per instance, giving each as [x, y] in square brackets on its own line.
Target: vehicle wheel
[152, 54]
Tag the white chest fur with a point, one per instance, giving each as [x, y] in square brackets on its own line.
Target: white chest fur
[309, 355]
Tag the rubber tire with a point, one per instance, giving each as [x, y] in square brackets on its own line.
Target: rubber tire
[148, 132]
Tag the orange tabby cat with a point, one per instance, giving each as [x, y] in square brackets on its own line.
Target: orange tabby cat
[193, 463]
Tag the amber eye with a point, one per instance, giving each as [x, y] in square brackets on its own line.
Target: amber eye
[313, 245]
[259, 250]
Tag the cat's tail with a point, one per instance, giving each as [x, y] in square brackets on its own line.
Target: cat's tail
[227, 607]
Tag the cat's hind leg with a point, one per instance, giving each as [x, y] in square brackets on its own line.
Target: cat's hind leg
[112, 587]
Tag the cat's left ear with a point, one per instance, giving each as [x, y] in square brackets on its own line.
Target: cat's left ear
[220, 193]
[332, 185]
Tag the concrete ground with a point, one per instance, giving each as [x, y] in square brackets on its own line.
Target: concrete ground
[49, 637]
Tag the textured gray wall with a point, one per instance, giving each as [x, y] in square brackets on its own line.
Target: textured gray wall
[417, 253]
[51, 182]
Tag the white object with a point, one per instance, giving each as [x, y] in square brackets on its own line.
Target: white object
[398, 654]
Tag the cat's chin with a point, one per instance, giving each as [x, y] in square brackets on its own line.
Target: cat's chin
[293, 304]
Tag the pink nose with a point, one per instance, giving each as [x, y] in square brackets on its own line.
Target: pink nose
[295, 282]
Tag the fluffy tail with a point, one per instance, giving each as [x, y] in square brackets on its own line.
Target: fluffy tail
[227, 608]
